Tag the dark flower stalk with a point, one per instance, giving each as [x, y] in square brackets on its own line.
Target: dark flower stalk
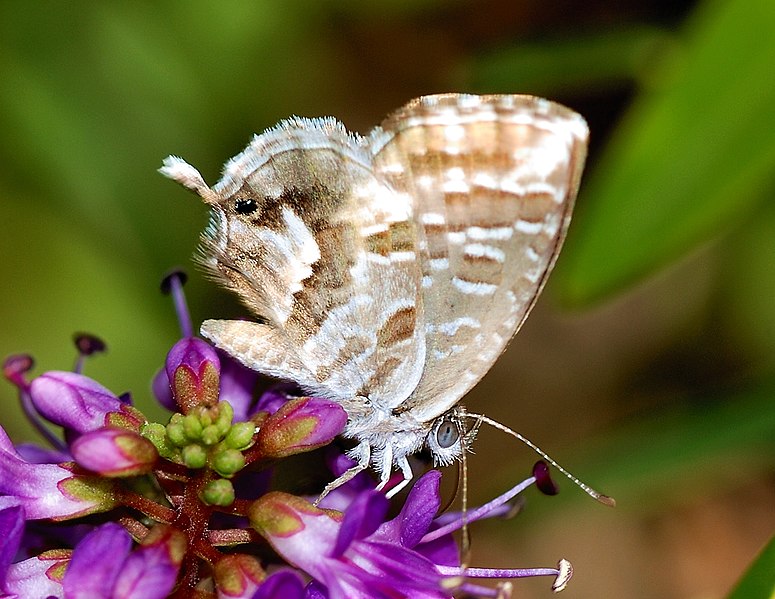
[118, 506]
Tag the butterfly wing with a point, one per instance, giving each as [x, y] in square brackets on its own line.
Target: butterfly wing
[324, 253]
[493, 179]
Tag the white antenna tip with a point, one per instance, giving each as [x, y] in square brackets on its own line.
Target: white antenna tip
[606, 500]
[564, 574]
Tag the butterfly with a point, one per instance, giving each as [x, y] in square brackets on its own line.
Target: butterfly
[389, 271]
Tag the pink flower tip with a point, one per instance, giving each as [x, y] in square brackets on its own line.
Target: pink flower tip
[302, 424]
[114, 452]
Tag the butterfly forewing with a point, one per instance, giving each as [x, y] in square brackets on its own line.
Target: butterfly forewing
[327, 257]
[493, 180]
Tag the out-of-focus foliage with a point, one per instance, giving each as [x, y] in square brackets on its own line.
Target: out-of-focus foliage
[693, 156]
[759, 580]
[662, 394]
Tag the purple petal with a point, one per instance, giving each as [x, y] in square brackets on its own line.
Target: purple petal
[35, 454]
[442, 551]
[6, 445]
[383, 570]
[237, 383]
[162, 390]
[96, 563]
[417, 514]
[46, 490]
[315, 590]
[73, 400]
[37, 576]
[11, 530]
[147, 574]
[361, 519]
[285, 584]
[420, 508]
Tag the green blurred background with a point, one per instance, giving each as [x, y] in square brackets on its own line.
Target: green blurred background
[648, 368]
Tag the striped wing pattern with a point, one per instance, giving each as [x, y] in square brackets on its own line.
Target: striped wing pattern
[493, 179]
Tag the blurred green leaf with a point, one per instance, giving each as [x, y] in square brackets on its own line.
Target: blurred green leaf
[748, 287]
[759, 581]
[569, 64]
[63, 281]
[692, 157]
[655, 460]
[684, 450]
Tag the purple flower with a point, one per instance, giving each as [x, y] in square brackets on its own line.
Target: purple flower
[50, 490]
[183, 504]
[104, 564]
[285, 584]
[359, 553]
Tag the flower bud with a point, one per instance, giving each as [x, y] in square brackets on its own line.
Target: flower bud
[73, 400]
[114, 452]
[193, 370]
[194, 456]
[240, 436]
[218, 492]
[228, 462]
[238, 575]
[156, 433]
[300, 425]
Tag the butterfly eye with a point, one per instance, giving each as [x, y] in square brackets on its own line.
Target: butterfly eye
[245, 205]
[447, 434]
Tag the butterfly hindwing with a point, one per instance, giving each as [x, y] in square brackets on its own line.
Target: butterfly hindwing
[493, 179]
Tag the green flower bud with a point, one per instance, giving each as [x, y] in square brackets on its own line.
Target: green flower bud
[218, 492]
[194, 456]
[240, 436]
[210, 435]
[228, 462]
[192, 427]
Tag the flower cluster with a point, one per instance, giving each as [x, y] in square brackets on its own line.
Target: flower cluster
[118, 506]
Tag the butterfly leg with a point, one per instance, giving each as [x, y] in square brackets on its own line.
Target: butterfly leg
[406, 470]
[386, 468]
[363, 454]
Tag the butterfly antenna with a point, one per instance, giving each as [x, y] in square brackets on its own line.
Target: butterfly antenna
[465, 545]
[604, 499]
